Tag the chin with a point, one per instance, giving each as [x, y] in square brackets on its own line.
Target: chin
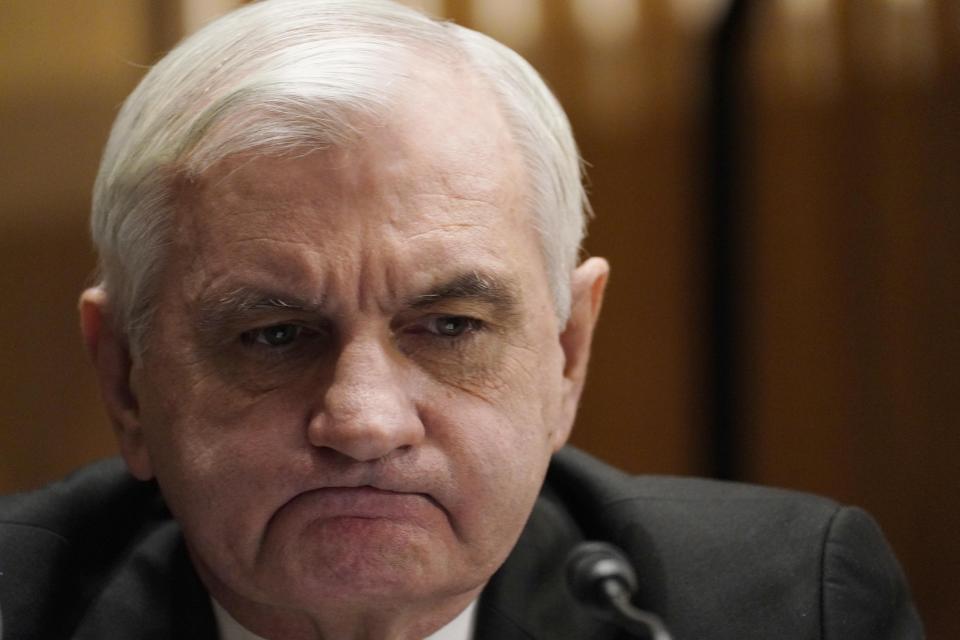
[352, 560]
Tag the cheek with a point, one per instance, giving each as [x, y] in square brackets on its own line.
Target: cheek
[497, 495]
[215, 441]
[516, 437]
[533, 386]
[216, 452]
[192, 425]
[506, 424]
[498, 450]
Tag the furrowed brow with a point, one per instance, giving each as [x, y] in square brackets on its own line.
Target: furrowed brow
[472, 286]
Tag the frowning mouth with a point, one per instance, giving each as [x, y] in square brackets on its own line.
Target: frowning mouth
[354, 516]
[363, 502]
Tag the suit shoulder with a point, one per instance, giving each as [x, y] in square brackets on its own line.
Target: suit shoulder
[731, 560]
[59, 545]
[582, 478]
[865, 593]
[100, 493]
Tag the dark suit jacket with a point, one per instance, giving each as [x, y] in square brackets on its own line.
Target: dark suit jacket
[98, 557]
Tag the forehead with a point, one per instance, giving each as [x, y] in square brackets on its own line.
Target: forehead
[438, 177]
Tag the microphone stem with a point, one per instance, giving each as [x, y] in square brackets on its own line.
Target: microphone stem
[643, 623]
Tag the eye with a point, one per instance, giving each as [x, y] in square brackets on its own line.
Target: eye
[277, 335]
[451, 326]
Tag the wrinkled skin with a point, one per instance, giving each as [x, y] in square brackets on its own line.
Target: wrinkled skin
[355, 376]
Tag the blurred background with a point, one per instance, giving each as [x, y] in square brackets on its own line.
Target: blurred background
[777, 187]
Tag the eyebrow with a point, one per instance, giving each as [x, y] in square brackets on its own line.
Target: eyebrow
[218, 308]
[471, 286]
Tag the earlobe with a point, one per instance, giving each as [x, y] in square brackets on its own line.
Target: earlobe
[587, 286]
[110, 356]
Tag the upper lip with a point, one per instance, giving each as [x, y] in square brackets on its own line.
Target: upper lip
[380, 487]
[348, 498]
[387, 476]
[397, 475]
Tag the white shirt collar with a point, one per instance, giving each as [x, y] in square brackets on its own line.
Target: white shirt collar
[460, 628]
[229, 628]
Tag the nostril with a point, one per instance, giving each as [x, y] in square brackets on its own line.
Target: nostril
[365, 435]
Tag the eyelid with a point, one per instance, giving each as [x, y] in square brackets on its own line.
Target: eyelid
[473, 324]
[304, 331]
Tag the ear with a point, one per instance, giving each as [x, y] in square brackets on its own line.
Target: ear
[586, 288]
[110, 355]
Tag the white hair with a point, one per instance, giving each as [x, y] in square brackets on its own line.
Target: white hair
[282, 75]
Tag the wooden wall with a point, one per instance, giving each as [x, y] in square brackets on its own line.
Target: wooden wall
[853, 312]
[66, 66]
[847, 272]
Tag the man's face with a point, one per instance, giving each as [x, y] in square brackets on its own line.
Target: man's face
[355, 378]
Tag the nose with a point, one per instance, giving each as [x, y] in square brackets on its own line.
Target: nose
[367, 412]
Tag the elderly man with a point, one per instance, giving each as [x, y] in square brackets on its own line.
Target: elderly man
[341, 332]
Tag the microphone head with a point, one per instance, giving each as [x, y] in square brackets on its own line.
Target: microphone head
[590, 565]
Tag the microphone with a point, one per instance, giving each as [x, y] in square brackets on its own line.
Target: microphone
[599, 575]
